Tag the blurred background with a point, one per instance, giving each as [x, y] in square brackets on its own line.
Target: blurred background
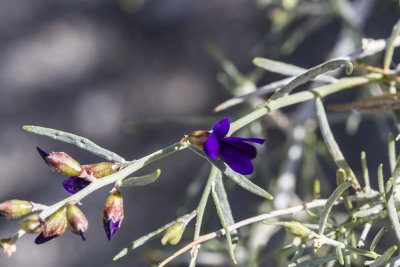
[135, 76]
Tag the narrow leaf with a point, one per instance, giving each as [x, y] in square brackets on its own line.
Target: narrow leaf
[311, 74]
[142, 240]
[385, 257]
[377, 238]
[381, 185]
[223, 219]
[390, 206]
[142, 180]
[331, 143]
[287, 69]
[226, 209]
[331, 202]
[200, 212]
[236, 177]
[339, 254]
[76, 140]
[390, 46]
[341, 178]
[392, 152]
[365, 171]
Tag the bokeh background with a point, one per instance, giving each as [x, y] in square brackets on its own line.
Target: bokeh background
[134, 76]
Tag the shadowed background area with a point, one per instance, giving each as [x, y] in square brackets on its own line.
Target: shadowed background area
[92, 68]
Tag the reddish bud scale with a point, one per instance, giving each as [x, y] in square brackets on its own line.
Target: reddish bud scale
[14, 208]
[113, 208]
[77, 222]
[198, 138]
[55, 224]
[62, 163]
[102, 169]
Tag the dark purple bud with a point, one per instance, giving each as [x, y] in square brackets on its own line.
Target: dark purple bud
[113, 213]
[77, 222]
[74, 184]
[43, 154]
[61, 163]
[42, 239]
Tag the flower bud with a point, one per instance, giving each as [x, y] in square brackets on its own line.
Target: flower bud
[113, 213]
[8, 247]
[61, 163]
[54, 226]
[173, 234]
[32, 224]
[102, 169]
[14, 208]
[198, 138]
[297, 229]
[77, 222]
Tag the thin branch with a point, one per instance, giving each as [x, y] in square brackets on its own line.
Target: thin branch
[276, 213]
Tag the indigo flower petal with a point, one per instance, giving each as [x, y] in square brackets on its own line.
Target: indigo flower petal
[110, 227]
[42, 239]
[253, 140]
[211, 146]
[221, 128]
[74, 184]
[238, 161]
[43, 154]
[241, 146]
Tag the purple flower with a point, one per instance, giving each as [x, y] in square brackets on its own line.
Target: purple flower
[234, 151]
[75, 184]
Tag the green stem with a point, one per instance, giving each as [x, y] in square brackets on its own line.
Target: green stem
[322, 91]
[200, 210]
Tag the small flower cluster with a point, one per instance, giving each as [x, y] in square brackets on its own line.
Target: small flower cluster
[68, 216]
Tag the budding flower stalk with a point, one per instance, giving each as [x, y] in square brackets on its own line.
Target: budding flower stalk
[77, 222]
[113, 213]
[15, 208]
